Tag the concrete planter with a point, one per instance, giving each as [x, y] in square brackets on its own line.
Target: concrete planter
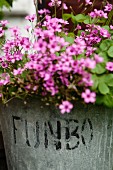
[38, 137]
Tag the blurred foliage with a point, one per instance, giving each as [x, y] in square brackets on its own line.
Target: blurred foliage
[10, 2]
[5, 3]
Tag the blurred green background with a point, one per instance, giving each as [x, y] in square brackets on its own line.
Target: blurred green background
[5, 3]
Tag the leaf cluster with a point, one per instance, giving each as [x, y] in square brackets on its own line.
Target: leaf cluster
[103, 79]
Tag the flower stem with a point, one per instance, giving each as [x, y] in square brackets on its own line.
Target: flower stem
[55, 11]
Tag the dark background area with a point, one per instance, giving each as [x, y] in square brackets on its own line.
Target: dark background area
[3, 165]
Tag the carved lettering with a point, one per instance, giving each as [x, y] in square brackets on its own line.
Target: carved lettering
[26, 131]
[87, 121]
[56, 135]
[73, 131]
[15, 118]
[37, 135]
[69, 134]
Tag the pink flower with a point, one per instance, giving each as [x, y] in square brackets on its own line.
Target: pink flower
[55, 3]
[98, 13]
[4, 79]
[88, 2]
[78, 27]
[66, 106]
[14, 31]
[40, 45]
[104, 33]
[27, 27]
[108, 7]
[87, 79]
[43, 11]
[90, 63]
[47, 76]
[18, 71]
[31, 18]
[35, 88]
[109, 66]
[111, 27]
[28, 87]
[73, 50]
[4, 65]
[88, 96]
[25, 43]
[4, 23]
[89, 51]
[64, 6]
[98, 59]
[53, 47]
[1, 32]
[93, 14]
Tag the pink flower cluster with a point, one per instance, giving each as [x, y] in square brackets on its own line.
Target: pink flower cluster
[58, 3]
[49, 65]
[55, 3]
[3, 24]
[93, 35]
[98, 14]
[101, 13]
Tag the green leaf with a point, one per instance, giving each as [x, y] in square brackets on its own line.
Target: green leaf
[102, 20]
[106, 77]
[12, 90]
[109, 19]
[73, 19]
[79, 18]
[103, 88]
[71, 34]
[4, 3]
[24, 74]
[108, 100]
[110, 52]
[69, 39]
[99, 69]
[105, 45]
[110, 83]
[106, 27]
[10, 2]
[104, 56]
[79, 32]
[87, 20]
[1, 70]
[66, 16]
[99, 99]
[1, 15]
[95, 82]
[109, 79]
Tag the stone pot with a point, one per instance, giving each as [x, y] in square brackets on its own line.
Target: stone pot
[38, 137]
